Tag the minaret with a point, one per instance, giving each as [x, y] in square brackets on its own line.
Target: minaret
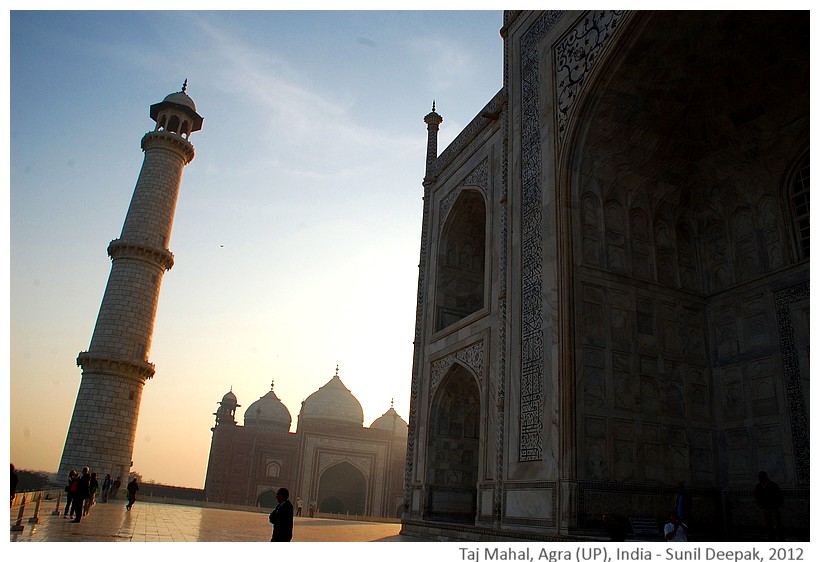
[433, 120]
[115, 367]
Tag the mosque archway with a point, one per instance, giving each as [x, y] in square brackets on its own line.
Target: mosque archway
[267, 499]
[453, 448]
[343, 489]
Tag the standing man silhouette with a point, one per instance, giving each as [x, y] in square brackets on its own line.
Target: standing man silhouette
[770, 499]
[282, 517]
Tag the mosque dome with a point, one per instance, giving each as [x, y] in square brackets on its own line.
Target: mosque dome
[268, 413]
[390, 421]
[332, 403]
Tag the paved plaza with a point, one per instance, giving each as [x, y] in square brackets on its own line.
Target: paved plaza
[159, 522]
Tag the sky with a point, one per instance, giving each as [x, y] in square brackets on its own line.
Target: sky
[297, 229]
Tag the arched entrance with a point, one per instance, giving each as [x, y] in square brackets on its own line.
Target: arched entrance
[343, 489]
[674, 239]
[453, 448]
[267, 499]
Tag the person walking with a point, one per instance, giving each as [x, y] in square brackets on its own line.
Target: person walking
[298, 506]
[282, 517]
[106, 487]
[131, 493]
[769, 498]
[312, 507]
[81, 494]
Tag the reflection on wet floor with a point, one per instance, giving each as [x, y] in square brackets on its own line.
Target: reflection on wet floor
[158, 522]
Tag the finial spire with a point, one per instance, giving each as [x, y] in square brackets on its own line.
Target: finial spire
[337, 369]
[271, 385]
[391, 402]
[434, 105]
[185, 87]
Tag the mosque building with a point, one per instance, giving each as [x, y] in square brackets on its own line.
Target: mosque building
[331, 459]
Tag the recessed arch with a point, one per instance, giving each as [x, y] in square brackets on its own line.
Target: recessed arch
[342, 489]
[797, 202]
[453, 447]
[267, 499]
[700, 146]
[460, 266]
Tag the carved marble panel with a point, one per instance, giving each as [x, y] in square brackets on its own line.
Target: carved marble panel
[624, 460]
[739, 451]
[472, 356]
[596, 465]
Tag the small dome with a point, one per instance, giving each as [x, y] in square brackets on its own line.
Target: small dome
[229, 398]
[333, 402]
[181, 98]
[268, 413]
[390, 421]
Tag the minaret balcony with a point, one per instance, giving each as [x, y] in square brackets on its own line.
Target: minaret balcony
[167, 139]
[158, 256]
[129, 368]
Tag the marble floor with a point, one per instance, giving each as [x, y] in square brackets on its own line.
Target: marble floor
[158, 522]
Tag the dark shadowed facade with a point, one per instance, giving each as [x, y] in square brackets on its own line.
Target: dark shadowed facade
[614, 281]
[331, 459]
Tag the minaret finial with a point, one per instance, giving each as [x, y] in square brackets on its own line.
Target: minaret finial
[434, 105]
[271, 385]
[337, 369]
[391, 402]
[185, 87]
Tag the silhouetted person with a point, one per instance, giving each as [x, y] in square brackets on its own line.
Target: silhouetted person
[106, 487]
[770, 499]
[14, 480]
[131, 493]
[615, 526]
[282, 517]
[682, 505]
[70, 489]
[81, 494]
[92, 492]
[298, 506]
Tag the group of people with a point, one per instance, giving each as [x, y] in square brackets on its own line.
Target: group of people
[767, 494]
[81, 492]
[312, 507]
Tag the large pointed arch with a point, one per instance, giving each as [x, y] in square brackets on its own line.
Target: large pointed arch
[453, 447]
[460, 263]
[700, 149]
[343, 489]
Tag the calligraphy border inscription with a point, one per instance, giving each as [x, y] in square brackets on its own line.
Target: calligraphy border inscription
[575, 55]
[791, 371]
